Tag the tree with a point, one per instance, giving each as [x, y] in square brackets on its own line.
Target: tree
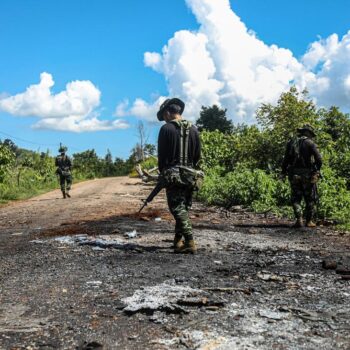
[87, 164]
[122, 167]
[149, 150]
[12, 146]
[214, 118]
[143, 138]
[335, 123]
[335, 140]
[279, 123]
[137, 153]
[7, 160]
[109, 168]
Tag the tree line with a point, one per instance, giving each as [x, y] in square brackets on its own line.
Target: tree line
[243, 162]
[24, 173]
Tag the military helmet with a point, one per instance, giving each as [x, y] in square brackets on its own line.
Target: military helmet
[167, 103]
[62, 149]
[308, 128]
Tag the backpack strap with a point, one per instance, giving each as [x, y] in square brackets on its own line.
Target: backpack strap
[186, 133]
[182, 131]
[296, 150]
[185, 127]
[301, 141]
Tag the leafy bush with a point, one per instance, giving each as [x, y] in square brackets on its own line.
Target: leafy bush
[251, 188]
[218, 150]
[262, 192]
[7, 159]
[243, 167]
[334, 197]
[25, 173]
[149, 163]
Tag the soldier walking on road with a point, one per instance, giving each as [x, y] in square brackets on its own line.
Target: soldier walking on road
[178, 154]
[302, 162]
[64, 166]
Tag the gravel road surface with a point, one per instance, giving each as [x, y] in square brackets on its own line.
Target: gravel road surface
[91, 273]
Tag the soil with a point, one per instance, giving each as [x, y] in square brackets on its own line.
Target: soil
[255, 283]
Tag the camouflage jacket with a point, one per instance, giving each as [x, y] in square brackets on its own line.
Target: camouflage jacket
[301, 153]
[63, 163]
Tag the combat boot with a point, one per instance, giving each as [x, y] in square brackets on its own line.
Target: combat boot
[67, 194]
[310, 224]
[298, 223]
[64, 194]
[178, 244]
[188, 248]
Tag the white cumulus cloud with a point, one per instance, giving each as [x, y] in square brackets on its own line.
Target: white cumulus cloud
[225, 63]
[330, 60]
[73, 109]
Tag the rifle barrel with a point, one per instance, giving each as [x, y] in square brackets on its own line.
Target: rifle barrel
[151, 196]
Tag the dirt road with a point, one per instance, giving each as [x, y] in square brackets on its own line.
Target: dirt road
[89, 273]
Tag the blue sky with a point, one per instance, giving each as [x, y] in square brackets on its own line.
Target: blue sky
[104, 42]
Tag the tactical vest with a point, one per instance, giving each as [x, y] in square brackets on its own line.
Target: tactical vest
[63, 165]
[183, 174]
[299, 171]
[295, 151]
[184, 127]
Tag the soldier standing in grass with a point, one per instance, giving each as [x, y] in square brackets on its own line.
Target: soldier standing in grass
[302, 162]
[178, 154]
[64, 167]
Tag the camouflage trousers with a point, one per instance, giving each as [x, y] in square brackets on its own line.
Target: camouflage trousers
[302, 188]
[179, 202]
[65, 182]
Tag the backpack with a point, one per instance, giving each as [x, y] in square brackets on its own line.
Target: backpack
[295, 150]
[183, 174]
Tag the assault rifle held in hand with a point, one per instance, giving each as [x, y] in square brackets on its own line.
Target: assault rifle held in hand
[155, 191]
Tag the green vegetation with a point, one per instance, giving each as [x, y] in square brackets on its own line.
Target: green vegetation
[242, 162]
[87, 165]
[243, 166]
[25, 173]
[214, 118]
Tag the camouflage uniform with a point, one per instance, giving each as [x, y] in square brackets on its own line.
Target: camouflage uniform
[179, 202]
[302, 162]
[302, 187]
[64, 165]
[178, 153]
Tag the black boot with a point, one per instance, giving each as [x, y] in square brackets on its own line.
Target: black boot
[64, 194]
[67, 194]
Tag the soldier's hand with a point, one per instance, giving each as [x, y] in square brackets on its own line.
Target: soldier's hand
[315, 177]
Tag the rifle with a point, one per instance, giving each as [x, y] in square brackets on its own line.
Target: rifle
[160, 185]
[315, 195]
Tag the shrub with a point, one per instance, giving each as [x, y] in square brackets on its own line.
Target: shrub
[334, 197]
[251, 188]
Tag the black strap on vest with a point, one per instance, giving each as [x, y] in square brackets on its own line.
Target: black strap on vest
[184, 126]
[296, 150]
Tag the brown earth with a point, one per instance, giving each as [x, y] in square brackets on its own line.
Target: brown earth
[254, 284]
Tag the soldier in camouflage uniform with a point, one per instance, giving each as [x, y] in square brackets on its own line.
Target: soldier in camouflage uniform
[302, 162]
[178, 155]
[64, 167]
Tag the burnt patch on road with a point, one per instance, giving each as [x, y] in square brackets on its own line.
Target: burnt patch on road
[112, 281]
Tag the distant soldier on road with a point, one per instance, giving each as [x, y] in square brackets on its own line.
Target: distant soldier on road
[302, 162]
[64, 167]
[178, 155]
